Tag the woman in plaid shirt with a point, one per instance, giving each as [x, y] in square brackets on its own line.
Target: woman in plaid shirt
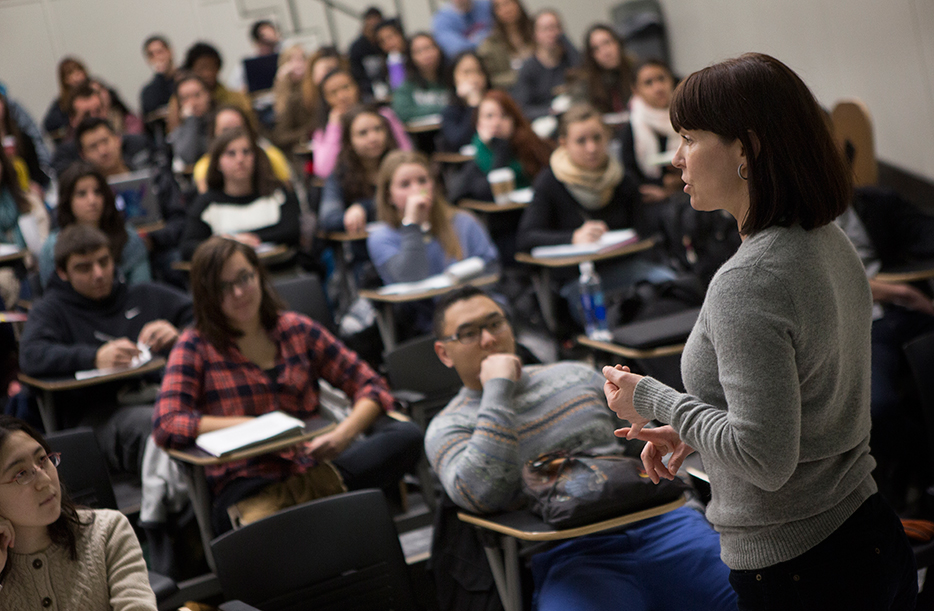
[246, 357]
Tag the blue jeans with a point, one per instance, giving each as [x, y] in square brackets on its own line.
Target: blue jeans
[866, 564]
[668, 563]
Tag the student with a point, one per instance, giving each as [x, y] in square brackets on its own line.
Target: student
[543, 75]
[293, 120]
[205, 61]
[510, 43]
[348, 200]
[424, 91]
[245, 357]
[366, 59]
[392, 42]
[226, 118]
[84, 102]
[84, 197]
[582, 194]
[52, 553]
[420, 234]
[603, 79]
[157, 92]
[17, 205]
[23, 145]
[71, 74]
[190, 138]
[461, 25]
[244, 199]
[778, 366]
[124, 121]
[649, 132]
[340, 93]
[468, 82]
[320, 63]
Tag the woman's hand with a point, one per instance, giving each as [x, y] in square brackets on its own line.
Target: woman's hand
[7, 538]
[328, 446]
[619, 388]
[589, 232]
[417, 209]
[659, 443]
[355, 219]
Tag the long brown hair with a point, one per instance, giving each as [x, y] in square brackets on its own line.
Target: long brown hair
[206, 266]
[9, 180]
[66, 66]
[441, 211]
[526, 27]
[311, 96]
[350, 168]
[596, 78]
[63, 531]
[264, 181]
[323, 110]
[533, 152]
[112, 222]
[796, 174]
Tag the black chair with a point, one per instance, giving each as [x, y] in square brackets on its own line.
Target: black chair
[419, 379]
[336, 553]
[84, 473]
[305, 295]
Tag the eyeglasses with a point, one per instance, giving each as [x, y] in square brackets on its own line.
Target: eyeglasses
[28, 476]
[471, 334]
[240, 282]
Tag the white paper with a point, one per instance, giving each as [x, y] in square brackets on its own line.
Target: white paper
[8, 249]
[138, 361]
[260, 429]
[607, 241]
[29, 227]
[522, 196]
[455, 273]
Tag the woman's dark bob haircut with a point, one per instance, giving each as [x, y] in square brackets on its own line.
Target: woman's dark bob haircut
[206, 267]
[796, 174]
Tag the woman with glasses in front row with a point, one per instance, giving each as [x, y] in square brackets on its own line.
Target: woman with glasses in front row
[53, 555]
[245, 357]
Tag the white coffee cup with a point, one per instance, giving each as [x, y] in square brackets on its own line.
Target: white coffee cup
[502, 183]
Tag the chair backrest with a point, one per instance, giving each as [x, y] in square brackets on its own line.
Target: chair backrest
[336, 553]
[920, 354]
[305, 295]
[413, 365]
[852, 127]
[83, 470]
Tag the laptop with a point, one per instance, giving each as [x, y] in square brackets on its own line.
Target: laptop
[136, 197]
[260, 72]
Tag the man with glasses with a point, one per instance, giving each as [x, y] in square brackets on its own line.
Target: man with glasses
[90, 319]
[508, 414]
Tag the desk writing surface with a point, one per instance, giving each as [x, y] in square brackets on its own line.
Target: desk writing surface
[272, 255]
[911, 272]
[342, 236]
[627, 249]
[12, 257]
[374, 295]
[629, 352]
[314, 426]
[70, 383]
[491, 207]
[448, 157]
[525, 525]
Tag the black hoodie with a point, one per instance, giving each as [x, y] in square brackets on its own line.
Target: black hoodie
[59, 338]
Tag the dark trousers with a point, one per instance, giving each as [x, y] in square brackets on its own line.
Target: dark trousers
[866, 564]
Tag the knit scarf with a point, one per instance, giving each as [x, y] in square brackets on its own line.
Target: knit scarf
[591, 188]
[647, 125]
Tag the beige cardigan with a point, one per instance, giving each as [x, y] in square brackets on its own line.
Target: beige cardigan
[110, 572]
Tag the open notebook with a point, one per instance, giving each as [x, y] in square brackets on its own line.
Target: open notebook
[609, 241]
[263, 429]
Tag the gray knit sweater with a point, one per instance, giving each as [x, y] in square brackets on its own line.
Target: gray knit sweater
[777, 372]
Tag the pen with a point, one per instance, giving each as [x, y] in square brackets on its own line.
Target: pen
[103, 337]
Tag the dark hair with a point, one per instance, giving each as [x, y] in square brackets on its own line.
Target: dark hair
[232, 107]
[10, 181]
[63, 531]
[454, 98]
[311, 97]
[324, 109]
[643, 63]
[116, 102]
[199, 50]
[206, 266]
[554, 13]
[351, 172]
[111, 223]
[796, 174]
[533, 152]
[576, 114]
[67, 65]
[84, 90]
[183, 76]
[601, 83]
[254, 31]
[78, 239]
[156, 38]
[372, 11]
[444, 302]
[526, 27]
[264, 181]
[411, 70]
[390, 23]
[89, 124]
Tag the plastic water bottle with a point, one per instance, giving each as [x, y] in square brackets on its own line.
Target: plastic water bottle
[592, 301]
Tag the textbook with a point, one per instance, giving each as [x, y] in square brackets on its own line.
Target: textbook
[263, 429]
[609, 241]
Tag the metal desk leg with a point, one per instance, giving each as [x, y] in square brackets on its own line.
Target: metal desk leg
[46, 402]
[504, 564]
[386, 323]
[541, 280]
[201, 502]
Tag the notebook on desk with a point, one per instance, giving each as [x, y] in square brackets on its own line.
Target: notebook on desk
[607, 242]
[263, 429]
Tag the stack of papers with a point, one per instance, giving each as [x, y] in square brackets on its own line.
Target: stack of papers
[263, 429]
[458, 272]
[609, 241]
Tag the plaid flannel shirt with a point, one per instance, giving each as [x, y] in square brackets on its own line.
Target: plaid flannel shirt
[200, 381]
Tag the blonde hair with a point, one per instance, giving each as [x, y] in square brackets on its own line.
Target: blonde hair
[441, 213]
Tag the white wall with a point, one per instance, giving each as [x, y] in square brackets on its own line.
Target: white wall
[882, 52]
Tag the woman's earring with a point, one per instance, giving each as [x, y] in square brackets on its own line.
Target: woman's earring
[739, 170]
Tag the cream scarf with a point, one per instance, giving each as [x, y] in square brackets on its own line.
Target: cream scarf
[591, 188]
[647, 125]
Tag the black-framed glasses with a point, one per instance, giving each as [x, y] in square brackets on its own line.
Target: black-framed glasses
[471, 333]
[28, 476]
[240, 282]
